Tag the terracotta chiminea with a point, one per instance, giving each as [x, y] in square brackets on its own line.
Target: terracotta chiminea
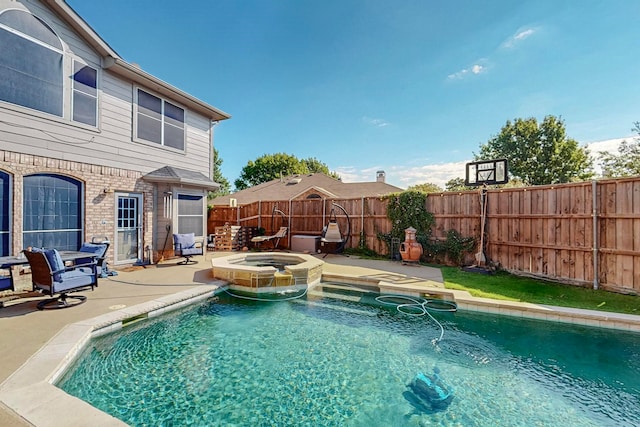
[410, 249]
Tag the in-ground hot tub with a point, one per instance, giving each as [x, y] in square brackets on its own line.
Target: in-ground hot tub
[267, 271]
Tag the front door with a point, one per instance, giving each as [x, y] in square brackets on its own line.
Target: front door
[128, 246]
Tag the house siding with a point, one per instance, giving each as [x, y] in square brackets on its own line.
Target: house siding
[111, 143]
[106, 156]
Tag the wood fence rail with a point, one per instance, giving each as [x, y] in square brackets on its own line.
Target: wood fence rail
[584, 233]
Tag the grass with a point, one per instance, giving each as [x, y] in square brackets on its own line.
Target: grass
[505, 286]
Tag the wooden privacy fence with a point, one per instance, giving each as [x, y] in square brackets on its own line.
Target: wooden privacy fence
[581, 233]
[367, 217]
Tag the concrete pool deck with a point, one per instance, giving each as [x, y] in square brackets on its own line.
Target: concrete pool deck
[25, 330]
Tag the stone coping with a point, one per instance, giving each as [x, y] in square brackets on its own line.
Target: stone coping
[234, 262]
[30, 391]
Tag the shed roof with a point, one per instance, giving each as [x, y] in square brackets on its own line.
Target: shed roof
[177, 176]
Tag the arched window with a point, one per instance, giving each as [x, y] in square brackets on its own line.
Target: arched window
[314, 196]
[52, 212]
[5, 213]
[31, 63]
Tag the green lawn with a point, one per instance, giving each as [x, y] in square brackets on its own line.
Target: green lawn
[505, 286]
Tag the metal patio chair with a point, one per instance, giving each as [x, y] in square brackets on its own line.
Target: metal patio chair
[185, 245]
[51, 276]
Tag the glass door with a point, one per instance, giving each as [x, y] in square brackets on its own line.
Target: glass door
[128, 245]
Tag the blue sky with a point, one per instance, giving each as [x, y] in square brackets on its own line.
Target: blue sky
[412, 87]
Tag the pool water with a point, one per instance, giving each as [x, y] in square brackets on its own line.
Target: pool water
[333, 362]
[277, 264]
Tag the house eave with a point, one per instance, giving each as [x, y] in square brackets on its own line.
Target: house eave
[137, 75]
[114, 63]
[211, 186]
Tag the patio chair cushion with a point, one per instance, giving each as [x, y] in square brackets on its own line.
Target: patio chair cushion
[5, 283]
[74, 279]
[184, 241]
[191, 251]
[100, 249]
[55, 261]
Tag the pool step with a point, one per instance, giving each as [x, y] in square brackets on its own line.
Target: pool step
[336, 307]
[338, 291]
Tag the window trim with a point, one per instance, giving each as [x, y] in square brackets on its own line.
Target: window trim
[177, 192]
[81, 204]
[164, 100]
[68, 60]
[10, 212]
[73, 90]
[42, 44]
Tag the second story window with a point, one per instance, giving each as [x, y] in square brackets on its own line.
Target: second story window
[159, 121]
[85, 94]
[31, 62]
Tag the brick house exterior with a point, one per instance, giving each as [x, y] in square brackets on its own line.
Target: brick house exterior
[91, 145]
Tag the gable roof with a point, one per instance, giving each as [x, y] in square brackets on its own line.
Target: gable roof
[114, 63]
[300, 186]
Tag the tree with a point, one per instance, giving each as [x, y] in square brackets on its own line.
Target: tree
[457, 184]
[272, 166]
[316, 166]
[626, 162]
[539, 154]
[225, 187]
[426, 188]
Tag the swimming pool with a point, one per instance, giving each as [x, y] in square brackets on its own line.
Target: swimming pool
[347, 361]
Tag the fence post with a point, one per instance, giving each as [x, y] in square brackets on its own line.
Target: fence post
[594, 187]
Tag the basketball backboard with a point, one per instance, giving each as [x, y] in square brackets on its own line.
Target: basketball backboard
[489, 172]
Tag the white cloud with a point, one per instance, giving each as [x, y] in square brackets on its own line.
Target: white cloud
[375, 122]
[475, 69]
[518, 37]
[610, 145]
[404, 176]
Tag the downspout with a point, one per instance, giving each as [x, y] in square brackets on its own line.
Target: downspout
[212, 157]
[595, 233]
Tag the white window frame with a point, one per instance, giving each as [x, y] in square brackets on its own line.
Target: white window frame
[176, 214]
[46, 46]
[164, 100]
[74, 90]
[9, 231]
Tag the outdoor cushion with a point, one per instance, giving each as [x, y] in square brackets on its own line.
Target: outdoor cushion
[191, 251]
[100, 249]
[54, 260]
[5, 283]
[74, 279]
[184, 241]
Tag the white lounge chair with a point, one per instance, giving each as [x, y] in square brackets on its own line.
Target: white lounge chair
[276, 237]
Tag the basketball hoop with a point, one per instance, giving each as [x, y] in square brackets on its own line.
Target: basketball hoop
[486, 172]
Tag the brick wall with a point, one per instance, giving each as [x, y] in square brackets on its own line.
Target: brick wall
[99, 205]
